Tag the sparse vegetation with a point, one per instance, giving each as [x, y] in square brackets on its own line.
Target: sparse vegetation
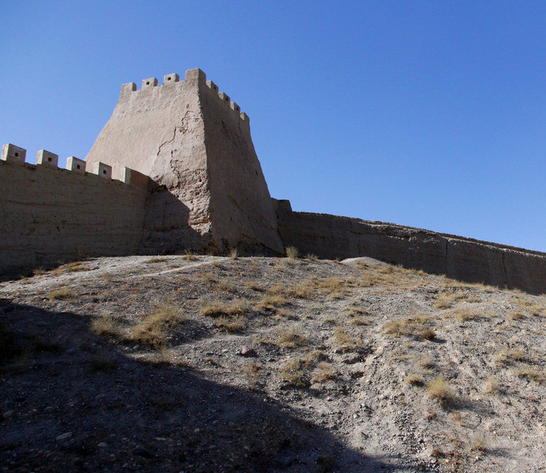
[104, 325]
[153, 329]
[324, 372]
[491, 386]
[326, 337]
[440, 390]
[292, 252]
[414, 379]
[217, 308]
[231, 324]
[291, 338]
[60, 293]
[71, 268]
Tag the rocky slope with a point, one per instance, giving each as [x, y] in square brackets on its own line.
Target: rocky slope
[197, 363]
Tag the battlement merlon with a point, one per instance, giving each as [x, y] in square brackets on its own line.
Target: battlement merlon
[13, 154]
[195, 76]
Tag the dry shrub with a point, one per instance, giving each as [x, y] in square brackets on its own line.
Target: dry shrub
[292, 252]
[414, 379]
[491, 386]
[231, 324]
[440, 390]
[153, 329]
[428, 334]
[59, 293]
[271, 302]
[323, 372]
[218, 308]
[291, 338]
[104, 325]
[345, 340]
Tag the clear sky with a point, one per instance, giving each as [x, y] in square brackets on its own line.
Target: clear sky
[427, 113]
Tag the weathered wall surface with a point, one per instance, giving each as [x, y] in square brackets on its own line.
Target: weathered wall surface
[328, 236]
[49, 215]
[195, 144]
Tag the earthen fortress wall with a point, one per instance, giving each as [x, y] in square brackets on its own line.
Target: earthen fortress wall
[329, 236]
[49, 214]
[188, 178]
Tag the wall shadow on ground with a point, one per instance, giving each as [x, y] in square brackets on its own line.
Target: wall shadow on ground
[76, 402]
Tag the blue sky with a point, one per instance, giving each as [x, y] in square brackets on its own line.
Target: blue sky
[424, 113]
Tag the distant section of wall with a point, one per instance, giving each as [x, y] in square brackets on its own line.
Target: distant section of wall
[329, 236]
[49, 215]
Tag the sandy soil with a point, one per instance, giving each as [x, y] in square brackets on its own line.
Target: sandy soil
[201, 364]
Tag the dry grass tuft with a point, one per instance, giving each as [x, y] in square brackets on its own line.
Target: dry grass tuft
[466, 314]
[218, 308]
[440, 390]
[478, 443]
[323, 372]
[345, 340]
[156, 260]
[428, 334]
[532, 374]
[291, 338]
[104, 326]
[491, 386]
[292, 252]
[231, 324]
[71, 268]
[153, 329]
[255, 286]
[398, 328]
[189, 256]
[294, 372]
[414, 379]
[271, 302]
[509, 356]
[234, 253]
[60, 293]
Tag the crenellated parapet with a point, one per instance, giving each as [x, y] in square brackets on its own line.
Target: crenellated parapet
[151, 85]
[16, 155]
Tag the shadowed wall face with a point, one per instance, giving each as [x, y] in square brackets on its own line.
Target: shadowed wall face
[49, 215]
[328, 236]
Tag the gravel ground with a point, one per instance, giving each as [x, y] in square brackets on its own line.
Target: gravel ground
[211, 364]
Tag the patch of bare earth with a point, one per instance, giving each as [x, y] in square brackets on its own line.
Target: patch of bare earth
[198, 364]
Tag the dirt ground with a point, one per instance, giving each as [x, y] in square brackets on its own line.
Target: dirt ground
[217, 364]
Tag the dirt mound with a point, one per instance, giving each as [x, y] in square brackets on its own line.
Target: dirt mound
[197, 364]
